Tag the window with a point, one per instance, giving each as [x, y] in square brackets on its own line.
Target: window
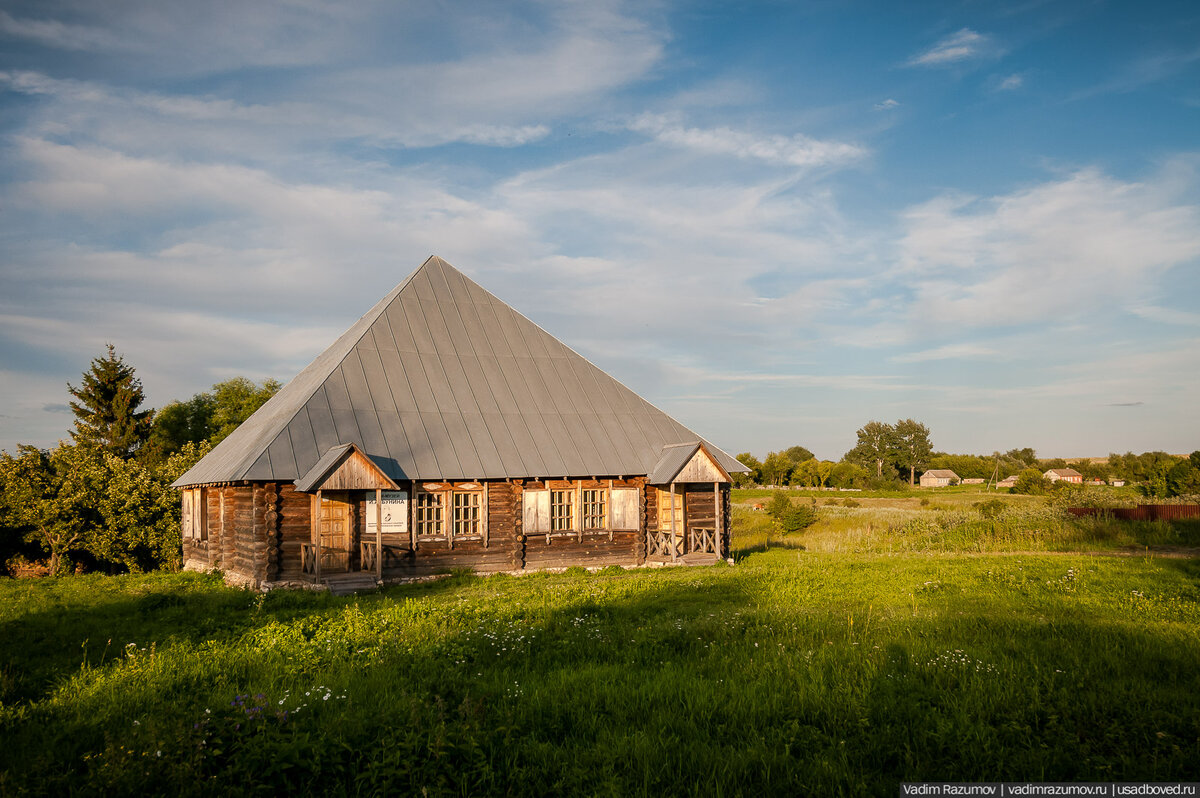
[594, 507]
[466, 514]
[562, 514]
[430, 515]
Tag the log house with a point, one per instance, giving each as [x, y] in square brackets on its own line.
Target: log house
[446, 430]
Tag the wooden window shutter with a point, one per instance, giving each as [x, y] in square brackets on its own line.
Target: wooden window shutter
[188, 528]
[536, 517]
[625, 507]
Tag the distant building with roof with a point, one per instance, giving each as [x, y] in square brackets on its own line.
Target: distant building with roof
[939, 478]
[1065, 474]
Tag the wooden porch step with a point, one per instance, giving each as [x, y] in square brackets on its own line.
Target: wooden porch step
[348, 584]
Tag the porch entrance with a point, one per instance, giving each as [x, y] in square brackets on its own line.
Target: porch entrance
[688, 520]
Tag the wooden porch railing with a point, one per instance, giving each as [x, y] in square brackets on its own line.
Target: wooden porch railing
[369, 555]
[701, 539]
[308, 558]
[659, 543]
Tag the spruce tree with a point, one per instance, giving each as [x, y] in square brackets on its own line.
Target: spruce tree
[106, 413]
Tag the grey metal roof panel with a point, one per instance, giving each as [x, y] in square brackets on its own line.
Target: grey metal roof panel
[420, 447]
[396, 321]
[442, 445]
[316, 474]
[400, 450]
[396, 380]
[503, 436]
[477, 383]
[320, 417]
[673, 459]
[493, 372]
[485, 447]
[414, 317]
[460, 386]
[418, 383]
[304, 443]
[439, 384]
[470, 465]
[440, 379]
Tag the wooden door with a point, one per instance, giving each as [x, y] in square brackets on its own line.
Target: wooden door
[664, 510]
[336, 533]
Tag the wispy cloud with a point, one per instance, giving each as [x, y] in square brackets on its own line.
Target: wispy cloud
[57, 34]
[962, 45]
[1167, 315]
[1053, 251]
[795, 150]
[1142, 72]
[887, 105]
[1011, 83]
[950, 352]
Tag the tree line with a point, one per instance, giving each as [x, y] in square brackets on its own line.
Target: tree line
[103, 500]
[892, 455]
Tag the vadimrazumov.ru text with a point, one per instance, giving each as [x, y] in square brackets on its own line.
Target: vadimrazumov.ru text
[1099, 789]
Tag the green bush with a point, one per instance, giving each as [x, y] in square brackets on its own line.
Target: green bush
[791, 517]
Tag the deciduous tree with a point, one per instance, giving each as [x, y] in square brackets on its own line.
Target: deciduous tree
[876, 446]
[912, 446]
[44, 494]
[755, 475]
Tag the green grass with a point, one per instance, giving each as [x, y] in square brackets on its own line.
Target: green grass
[832, 673]
[963, 522]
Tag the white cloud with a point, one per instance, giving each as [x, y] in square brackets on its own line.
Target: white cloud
[1011, 83]
[962, 351]
[887, 105]
[795, 150]
[963, 45]
[60, 35]
[1062, 249]
[1167, 315]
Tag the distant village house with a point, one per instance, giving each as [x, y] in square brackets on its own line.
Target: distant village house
[939, 478]
[1065, 474]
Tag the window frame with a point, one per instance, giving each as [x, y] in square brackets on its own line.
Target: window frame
[429, 512]
[562, 511]
[473, 520]
[592, 519]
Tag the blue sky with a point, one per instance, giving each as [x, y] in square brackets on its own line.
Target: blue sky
[776, 221]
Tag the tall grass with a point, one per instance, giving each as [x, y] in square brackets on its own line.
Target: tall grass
[1008, 524]
[833, 673]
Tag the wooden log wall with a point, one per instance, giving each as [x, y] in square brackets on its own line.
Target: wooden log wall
[294, 530]
[504, 520]
[502, 551]
[239, 531]
[592, 548]
[212, 521]
[649, 521]
[517, 488]
[726, 536]
[264, 553]
[594, 551]
[266, 524]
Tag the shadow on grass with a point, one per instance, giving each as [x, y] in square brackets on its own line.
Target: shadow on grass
[680, 688]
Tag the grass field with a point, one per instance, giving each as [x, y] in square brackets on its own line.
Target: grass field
[810, 666]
